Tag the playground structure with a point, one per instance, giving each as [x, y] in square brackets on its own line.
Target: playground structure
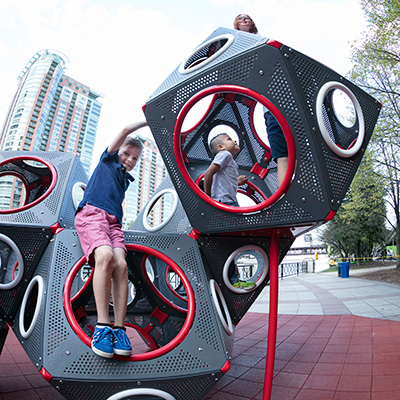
[182, 308]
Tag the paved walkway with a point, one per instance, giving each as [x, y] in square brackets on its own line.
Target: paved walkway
[338, 339]
[327, 294]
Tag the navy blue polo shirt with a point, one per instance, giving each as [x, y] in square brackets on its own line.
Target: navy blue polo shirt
[107, 185]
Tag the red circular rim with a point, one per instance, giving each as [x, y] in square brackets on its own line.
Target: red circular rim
[44, 195]
[253, 127]
[156, 291]
[251, 185]
[202, 118]
[24, 182]
[275, 112]
[171, 288]
[85, 285]
[151, 342]
[179, 338]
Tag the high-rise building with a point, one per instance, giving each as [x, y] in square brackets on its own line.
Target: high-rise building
[148, 174]
[51, 111]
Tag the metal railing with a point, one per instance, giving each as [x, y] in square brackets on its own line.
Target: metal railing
[291, 269]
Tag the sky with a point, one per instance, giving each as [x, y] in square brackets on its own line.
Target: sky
[124, 49]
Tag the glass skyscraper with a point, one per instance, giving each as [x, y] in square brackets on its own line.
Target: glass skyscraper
[51, 111]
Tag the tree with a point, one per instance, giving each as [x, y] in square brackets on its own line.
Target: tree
[376, 68]
[359, 226]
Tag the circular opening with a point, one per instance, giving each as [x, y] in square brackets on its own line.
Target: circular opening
[259, 124]
[149, 270]
[221, 307]
[247, 195]
[343, 108]
[248, 264]
[25, 181]
[232, 94]
[157, 285]
[146, 251]
[205, 53]
[11, 263]
[175, 285]
[197, 113]
[343, 138]
[220, 129]
[30, 306]
[154, 393]
[160, 209]
[86, 272]
[78, 190]
[13, 190]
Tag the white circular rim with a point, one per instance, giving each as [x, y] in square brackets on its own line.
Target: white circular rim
[20, 260]
[26, 333]
[151, 203]
[141, 391]
[229, 261]
[215, 293]
[227, 36]
[75, 188]
[320, 118]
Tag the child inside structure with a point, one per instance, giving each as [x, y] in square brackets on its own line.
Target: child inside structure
[98, 223]
[221, 181]
[276, 137]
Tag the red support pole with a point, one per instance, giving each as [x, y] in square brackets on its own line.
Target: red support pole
[273, 314]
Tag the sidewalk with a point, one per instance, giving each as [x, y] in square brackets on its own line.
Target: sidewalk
[327, 294]
[338, 339]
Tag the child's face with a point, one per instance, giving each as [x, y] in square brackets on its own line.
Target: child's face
[245, 23]
[229, 145]
[129, 155]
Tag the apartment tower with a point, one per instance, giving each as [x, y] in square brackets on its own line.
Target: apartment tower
[51, 111]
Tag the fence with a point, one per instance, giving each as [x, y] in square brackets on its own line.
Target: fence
[246, 272]
[295, 268]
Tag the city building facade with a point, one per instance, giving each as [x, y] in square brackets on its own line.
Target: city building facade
[51, 111]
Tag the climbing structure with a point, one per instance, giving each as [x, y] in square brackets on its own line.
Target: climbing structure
[182, 309]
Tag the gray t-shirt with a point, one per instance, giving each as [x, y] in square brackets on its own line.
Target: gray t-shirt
[225, 181]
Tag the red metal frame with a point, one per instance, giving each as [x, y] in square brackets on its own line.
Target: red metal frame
[273, 313]
[174, 292]
[251, 186]
[202, 118]
[275, 112]
[179, 338]
[41, 198]
[156, 291]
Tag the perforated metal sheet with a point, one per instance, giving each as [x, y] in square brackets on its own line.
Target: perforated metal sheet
[291, 82]
[58, 205]
[217, 249]
[201, 355]
[31, 242]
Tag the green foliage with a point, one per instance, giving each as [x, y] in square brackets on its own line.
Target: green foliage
[376, 68]
[358, 228]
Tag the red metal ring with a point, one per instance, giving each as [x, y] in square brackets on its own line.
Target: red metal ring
[179, 338]
[275, 112]
[48, 191]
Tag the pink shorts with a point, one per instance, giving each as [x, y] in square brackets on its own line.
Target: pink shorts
[96, 228]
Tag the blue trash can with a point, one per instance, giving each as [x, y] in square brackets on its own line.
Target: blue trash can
[344, 269]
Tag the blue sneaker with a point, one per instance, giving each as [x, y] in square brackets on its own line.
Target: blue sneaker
[102, 342]
[122, 345]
